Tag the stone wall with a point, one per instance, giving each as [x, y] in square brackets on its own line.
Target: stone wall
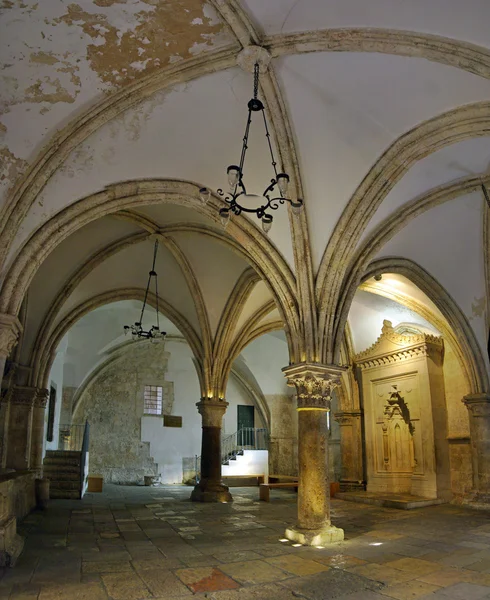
[283, 445]
[112, 403]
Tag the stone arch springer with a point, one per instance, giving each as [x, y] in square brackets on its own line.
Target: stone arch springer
[467, 346]
[242, 235]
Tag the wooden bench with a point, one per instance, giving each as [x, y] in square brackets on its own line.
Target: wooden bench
[264, 488]
[243, 480]
[283, 478]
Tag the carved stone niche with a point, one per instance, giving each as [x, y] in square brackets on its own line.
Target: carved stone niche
[405, 414]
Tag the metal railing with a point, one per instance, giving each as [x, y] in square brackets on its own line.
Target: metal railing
[247, 438]
[71, 437]
[84, 458]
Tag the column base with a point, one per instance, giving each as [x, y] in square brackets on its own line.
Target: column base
[11, 543]
[210, 491]
[315, 537]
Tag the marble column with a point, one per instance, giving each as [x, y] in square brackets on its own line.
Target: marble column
[20, 427]
[10, 329]
[314, 384]
[352, 475]
[37, 430]
[479, 412]
[210, 488]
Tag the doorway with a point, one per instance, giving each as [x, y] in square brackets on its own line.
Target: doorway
[245, 425]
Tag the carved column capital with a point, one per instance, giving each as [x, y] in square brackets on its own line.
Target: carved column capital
[346, 418]
[478, 404]
[23, 395]
[10, 329]
[314, 384]
[212, 411]
[41, 397]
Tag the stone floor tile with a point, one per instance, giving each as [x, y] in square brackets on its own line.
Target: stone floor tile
[157, 563]
[87, 591]
[106, 567]
[253, 572]
[339, 561]
[416, 566]
[206, 579]
[269, 591]
[465, 591]
[125, 586]
[410, 590]
[382, 573]
[362, 595]
[297, 565]
[23, 592]
[200, 561]
[330, 584]
[163, 583]
[228, 557]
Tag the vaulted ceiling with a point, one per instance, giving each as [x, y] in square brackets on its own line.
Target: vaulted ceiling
[385, 103]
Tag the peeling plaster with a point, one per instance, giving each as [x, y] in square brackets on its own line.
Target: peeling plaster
[63, 56]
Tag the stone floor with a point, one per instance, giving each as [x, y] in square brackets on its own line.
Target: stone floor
[133, 543]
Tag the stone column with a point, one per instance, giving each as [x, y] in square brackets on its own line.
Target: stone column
[37, 431]
[314, 384]
[210, 488]
[10, 329]
[479, 412]
[20, 427]
[350, 449]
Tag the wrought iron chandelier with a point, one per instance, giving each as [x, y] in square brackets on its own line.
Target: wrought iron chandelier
[268, 200]
[137, 330]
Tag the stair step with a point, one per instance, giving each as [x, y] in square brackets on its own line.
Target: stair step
[64, 485]
[62, 476]
[57, 494]
[62, 462]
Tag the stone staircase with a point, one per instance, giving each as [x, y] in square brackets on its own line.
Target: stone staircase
[62, 468]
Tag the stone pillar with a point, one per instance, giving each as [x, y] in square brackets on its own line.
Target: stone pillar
[352, 476]
[314, 384]
[210, 488]
[10, 329]
[479, 412]
[37, 431]
[20, 427]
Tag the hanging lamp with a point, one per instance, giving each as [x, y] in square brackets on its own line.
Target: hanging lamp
[274, 194]
[136, 329]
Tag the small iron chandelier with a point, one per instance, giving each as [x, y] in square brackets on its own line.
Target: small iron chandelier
[137, 330]
[237, 185]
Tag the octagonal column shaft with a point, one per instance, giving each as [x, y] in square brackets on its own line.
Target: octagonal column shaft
[479, 412]
[314, 384]
[210, 488]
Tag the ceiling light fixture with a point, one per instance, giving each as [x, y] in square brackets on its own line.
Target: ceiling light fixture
[137, 330]
[238, 192]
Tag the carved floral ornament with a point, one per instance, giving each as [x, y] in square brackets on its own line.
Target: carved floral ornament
[314, 384]
[404, 346]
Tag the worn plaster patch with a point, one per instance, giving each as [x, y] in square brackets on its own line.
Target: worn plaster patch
[478, 307]
[161, 30]
[11, 167]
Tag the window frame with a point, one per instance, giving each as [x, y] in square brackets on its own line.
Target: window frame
[157, 399]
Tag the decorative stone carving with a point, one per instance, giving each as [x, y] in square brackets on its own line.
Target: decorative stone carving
[411, 345]
[212, 411]
[10, 329]
[314, 384]
[405, 414]
[250, 55]
[41, 398]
